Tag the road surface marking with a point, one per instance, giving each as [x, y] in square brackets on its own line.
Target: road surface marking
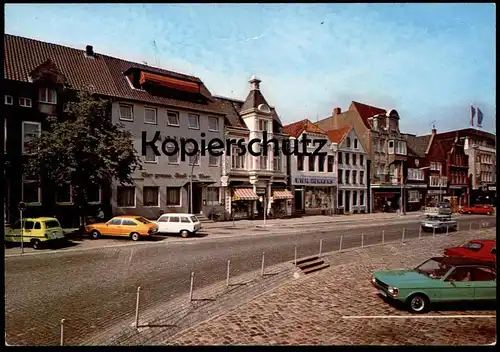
[415, 316]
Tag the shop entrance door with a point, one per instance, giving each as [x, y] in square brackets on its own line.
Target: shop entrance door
[299, 203]
[347, 201]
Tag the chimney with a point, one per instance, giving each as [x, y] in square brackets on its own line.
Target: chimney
[337, 111]
[89, 51]
[434, 131]
[255, 82]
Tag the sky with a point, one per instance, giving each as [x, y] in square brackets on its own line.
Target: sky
[430, 62]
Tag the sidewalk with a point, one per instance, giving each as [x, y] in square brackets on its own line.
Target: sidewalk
[318, 309]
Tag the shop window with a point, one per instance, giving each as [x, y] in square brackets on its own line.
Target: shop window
[312, 161]
[125, 197]
[173, 196]
[213, 194]
[151, 196]
[331, 163]
[413, 196]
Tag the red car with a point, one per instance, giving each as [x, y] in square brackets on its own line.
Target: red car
[478, 209]
[484, 250]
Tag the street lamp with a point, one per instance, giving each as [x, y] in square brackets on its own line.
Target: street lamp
[191, 180]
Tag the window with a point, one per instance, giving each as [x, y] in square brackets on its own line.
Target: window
[213, 124]
[355, 143]
[31, 131]
[93, 194]
[354, 159]
[128, 222]
[347, 157]
[341, 160]
[125, 197]
[64, 194]
[115, 221]
[354, 197]
[172, 118]
[347, 176]
[47, 95]
[413, 196]
[213, 195]
[194, 121]
[321, 163]
[126, 112]
[434, 181]
[237, 161]
[361, 197]
[354, 177]
[483, 274]
[9, 100]
[150, 156]
[300, 162]
[331, 163]
[415, 174]
[361, 160]
[150, 116]
[193, 159]
[362, 177]
[185, 219]
[312, 161]
[151, 196]
[213, 160]
[435, 166]
[391, 147]
[277, 162]
[174, 158]
[263, 162]
[25, 102]
[174, 219]
[173, 197]
[263, 125]
[38, 226]
[401, 147]
[31, 192]
[348, 142]
[5, 136]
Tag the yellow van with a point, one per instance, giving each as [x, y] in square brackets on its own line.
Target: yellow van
[37, 231]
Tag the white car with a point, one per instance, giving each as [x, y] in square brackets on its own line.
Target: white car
[183, 224]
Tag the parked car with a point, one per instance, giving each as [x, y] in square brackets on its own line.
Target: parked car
[438, 279]
[37, 232]
[130, 226]
[183, 224]
[478, 209]
[439, 208]
[438, 222]
[484, 250]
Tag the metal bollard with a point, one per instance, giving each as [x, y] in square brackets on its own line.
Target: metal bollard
[403, 236]
[458, 226]
[228, 266]
[419, 231]
[295, 255]
[470, 225]
[191, 288]
[383, 236]
[340, 247]
[362, 239]
[137, 307]
[320, 248]
[62, 331]
[433, 232]
[447, 230]
[263, 258]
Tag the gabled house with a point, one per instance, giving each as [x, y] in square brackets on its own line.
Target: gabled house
[378, 132]
[254, 184]
[312, 178]
[415, 184]
[352, 170]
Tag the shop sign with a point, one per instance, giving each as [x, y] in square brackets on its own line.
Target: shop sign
[493, 188]
[416, 186]
[328, 181]
[457, 187]
[433, 191]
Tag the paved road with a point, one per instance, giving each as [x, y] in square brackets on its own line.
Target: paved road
[94, 290]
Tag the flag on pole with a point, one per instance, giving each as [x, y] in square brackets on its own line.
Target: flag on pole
[479, 117]
[472, 114]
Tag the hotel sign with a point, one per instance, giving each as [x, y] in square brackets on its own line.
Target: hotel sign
[319, 181]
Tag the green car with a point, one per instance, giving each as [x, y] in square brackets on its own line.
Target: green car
[439, 279]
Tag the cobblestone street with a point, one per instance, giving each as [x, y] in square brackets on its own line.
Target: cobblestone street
[319, 309]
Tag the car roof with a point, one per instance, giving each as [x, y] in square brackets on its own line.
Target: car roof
[177, 214]
[41, 219]
[127, 216]
[484, 241]
[463, 261]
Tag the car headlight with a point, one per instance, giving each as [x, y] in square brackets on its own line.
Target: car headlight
[373, 279]
[393, 291]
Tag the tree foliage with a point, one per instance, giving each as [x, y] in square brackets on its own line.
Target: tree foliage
[86, 149]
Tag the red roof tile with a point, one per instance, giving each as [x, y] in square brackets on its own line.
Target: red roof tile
[367, 111]
[338, 135]
[297, 128]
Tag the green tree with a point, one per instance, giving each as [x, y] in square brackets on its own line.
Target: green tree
[85, 149]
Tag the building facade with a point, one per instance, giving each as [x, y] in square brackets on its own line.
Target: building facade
[254, 185]
[312, 178]
[352, 195]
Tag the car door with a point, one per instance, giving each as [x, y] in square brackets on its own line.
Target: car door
[174, 224]
[113, 227]
[485, 283]
[186, 224]
[13, 233]
[163, 224]
[458, 285]
[28, 230]
[128, 226]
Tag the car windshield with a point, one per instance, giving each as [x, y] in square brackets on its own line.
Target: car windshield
[143, 220]
[49, 224]
[433, 269]
[193, 218]
[473, 246]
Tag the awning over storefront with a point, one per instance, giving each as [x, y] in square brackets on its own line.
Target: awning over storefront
[282, 194]
[244, 194]
[384, 194]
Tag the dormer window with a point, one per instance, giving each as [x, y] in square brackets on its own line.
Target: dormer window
[348, 142]
[355, 143]
[263, 125]
[47, 96]
[264, 108]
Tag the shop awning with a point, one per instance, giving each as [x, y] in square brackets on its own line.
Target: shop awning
[282, 194]
[244, 194]
[384, 195]
[169, 82]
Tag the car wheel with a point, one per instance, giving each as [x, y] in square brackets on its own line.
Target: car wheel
[36, 244]
[469, 212]
[134, 236]
[95, 235]
[418, 303]
[488, 213]
[184, 233]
